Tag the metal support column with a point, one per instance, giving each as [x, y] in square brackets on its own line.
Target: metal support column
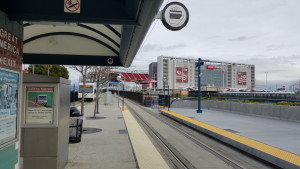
[198, 64]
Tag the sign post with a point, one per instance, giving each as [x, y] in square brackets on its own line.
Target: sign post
[175, 16]
[198, 64]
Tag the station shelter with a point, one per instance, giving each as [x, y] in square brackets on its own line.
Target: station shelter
[62, 32]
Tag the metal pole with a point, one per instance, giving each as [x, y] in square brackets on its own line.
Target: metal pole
[97, 96]
[119, 94]
[266, 80]
[199, 86]
[164, 93]
[74, 94]
[123, 97]
[168, 98]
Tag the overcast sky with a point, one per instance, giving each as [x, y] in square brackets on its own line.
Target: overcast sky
[265, 33]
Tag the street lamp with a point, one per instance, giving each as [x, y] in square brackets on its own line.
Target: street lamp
[119, 79]
[164, 81]
[97, 98]
[168, 97]
[167, 101]
[123, 96]
[266, 80]
[199, 64]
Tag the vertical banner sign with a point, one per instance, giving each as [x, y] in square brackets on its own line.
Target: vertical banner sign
[72, 6]
[10, 50]
[242, 78]
[185, 73]
[39, 105]
[8, 105]
[182, 75]
[178, 74]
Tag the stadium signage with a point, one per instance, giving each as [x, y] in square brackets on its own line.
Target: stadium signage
[210, 67]
[242, 78]
[182, 75]
[175, 16]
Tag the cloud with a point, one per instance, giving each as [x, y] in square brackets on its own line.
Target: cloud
[242, 38]
[158, 47]
[284, 68]
[275, 47]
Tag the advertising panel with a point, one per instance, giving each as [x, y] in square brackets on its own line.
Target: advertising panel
[242, 78]
[8, 105]
[182, 75]
[39, 105]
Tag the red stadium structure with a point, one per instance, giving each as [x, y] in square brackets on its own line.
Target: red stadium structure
[138, 78]
[134, 77]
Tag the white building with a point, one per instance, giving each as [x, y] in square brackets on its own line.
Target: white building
[181, 73]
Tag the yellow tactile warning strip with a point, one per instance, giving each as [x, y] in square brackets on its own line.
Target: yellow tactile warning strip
[156, 105]
[147, 155]
[289, 157]
[123, 108]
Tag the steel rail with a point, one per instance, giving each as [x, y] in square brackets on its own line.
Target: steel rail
[178, 160]
[218, 154]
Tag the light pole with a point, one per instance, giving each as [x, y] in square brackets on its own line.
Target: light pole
[155, 82]
[266, 80]
[223, 81]
[199, 64]
[123, 96]
[97, 98]
[119, 78]
[164, 83]
[168, 97]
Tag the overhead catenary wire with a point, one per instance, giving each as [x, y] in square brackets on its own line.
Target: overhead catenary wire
[155, 22]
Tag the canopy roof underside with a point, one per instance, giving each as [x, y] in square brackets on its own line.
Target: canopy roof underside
[106, 36]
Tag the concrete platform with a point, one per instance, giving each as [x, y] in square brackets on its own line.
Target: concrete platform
[109, 148]
[121, 143]
[277, 137]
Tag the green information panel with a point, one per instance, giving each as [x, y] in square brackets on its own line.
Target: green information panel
[39, 105]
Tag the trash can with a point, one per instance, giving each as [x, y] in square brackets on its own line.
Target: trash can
[107, 98]
[75, 125]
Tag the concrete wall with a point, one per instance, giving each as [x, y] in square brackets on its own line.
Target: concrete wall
[290, 113]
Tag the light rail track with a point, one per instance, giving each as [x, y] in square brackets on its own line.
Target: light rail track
[210, 144]
[177, 160]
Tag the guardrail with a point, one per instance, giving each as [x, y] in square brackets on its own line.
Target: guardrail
[282, 112]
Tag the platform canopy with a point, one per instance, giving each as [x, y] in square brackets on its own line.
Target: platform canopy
[82, 32]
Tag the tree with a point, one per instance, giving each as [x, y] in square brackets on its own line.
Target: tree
[49, 70]
[100, 75]
[83, 70]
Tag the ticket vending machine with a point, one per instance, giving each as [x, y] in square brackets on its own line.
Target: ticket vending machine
[45, 122]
